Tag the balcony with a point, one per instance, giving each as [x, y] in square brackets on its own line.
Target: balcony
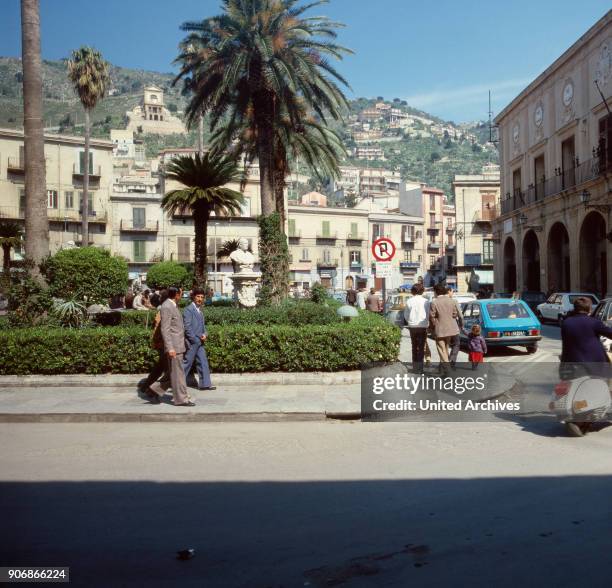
[355, 236]
[329, 236]
[327, 263]
[130, 227]
[408, 239]
[450, 247]
[72, 215]
[563, 180]
[94, 174]
[409, 265]
[433, 246]
[15, 165]
[485, 215]
[294, 236]
[450, 228]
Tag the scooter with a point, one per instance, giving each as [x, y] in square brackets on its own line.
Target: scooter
[580, 402]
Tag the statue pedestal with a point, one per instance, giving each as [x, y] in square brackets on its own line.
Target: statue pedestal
[245, 288]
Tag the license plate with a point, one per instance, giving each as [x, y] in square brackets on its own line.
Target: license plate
[514, 333]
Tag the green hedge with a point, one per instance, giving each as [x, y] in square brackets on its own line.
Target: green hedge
[230, 348]
[291, 314]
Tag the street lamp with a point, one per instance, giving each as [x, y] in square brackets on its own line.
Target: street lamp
[585, 198]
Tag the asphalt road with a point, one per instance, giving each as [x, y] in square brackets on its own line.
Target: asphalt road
[309, 504]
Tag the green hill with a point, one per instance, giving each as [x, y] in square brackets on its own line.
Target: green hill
[431, 150]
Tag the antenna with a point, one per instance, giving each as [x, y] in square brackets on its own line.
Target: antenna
[493, 136]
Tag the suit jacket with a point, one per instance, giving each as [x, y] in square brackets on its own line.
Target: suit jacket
[443, 316]
[195, 325]
[580, 339]
[172, 329]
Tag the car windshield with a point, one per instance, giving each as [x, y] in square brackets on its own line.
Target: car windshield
[507, 310]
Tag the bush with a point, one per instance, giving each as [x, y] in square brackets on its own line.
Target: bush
[168, 273]
[318, 293]
[29, 304]
[230, 348]
[89, 273]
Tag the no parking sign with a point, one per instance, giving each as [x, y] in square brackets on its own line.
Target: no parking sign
[383, 249]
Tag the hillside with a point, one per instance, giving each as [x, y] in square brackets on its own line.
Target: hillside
[421, 146]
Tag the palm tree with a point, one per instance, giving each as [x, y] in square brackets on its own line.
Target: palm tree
[204, 178]
[258, 58]
[36, 221]
[88, 73]
[228, 248]
[10, 237]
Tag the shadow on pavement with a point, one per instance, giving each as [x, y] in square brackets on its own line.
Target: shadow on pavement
[437, 532]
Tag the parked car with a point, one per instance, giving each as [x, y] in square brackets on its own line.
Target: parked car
[501, 294]
[533, 298]
[504, 322]
[559, 304]
[603, 311]
[394, 308]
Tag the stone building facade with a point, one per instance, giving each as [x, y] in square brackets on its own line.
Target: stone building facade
[152, 116]
[554, 229]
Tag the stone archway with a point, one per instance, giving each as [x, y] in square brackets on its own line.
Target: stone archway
[531, 262]
[593, 258]
[509, 265]
[558, 259]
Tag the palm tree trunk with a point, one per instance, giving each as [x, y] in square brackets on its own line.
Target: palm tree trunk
[264, 117]
[36, 221]
[280, 172]
[200, 135]
[200, 270]
[6, 259]
[85, 204]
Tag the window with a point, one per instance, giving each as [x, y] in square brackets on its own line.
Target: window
[605, 142]
[82, 162]
[568, 162]
[355, 257]
[21, 200]
[51, 198]
[506, 310]
[305, 255]
[487, 251]
[432, 260]
[420, 258]
[432, 220]
[69, 200]
[139, 218]
[516, 181]
[90, 206]
[408, 255]
[450, 240]
[139, 250]
[539, 175]
[184, 248]
[326, 255]
[291, 227]
[432, 202]
[377, 231]
[325, 229]
[354, 230]
[407, 233]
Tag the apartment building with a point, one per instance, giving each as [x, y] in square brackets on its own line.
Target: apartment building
[64, 156]
[554, 227]
[477, 207]
[369, 153]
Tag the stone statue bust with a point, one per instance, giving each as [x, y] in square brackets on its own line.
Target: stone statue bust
[242, 258]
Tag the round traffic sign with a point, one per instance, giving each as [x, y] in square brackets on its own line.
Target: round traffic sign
[383, 249]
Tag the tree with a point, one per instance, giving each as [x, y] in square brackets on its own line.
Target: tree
[258, 57]
[204, 178]
[10, 237]
[88, 73]
[168, 273]
[36, 221]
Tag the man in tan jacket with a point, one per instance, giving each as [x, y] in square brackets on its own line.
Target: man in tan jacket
[173, 334]
[443, 322]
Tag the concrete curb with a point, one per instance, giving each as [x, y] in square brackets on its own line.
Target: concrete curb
[115, 380]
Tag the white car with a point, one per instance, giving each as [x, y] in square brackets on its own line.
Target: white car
[559, 304]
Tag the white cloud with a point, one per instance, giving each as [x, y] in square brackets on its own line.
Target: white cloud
[457, 97]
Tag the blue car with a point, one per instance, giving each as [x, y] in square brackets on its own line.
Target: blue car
[503, 322]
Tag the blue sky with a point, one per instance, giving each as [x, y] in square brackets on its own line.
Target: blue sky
[441, 56]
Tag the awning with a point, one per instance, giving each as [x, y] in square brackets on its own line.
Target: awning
[133, 275]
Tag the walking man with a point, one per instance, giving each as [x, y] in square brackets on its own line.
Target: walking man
[416, 314]
[361, 299]
[351, 296]
[443, 321]
[195, 336]
[373, 303]
[173, 335]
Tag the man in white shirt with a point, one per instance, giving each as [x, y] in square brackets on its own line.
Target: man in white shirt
[416, 315]
[361, 299]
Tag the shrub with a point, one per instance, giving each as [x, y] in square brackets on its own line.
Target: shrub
[230, 348]
[166, 274]
[29, 303]
[90, 273]
[70, 313]
[318, 293]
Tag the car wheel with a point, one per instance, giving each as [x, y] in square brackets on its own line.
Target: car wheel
[560, 320]
[532, 348]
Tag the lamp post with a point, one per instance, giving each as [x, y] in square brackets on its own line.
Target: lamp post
[215, 249]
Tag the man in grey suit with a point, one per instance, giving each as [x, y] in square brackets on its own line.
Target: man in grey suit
[173, 334]
[443, 321]
[195, 336]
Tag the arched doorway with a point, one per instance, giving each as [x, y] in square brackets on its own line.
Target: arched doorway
[509, 265]
[593, 259]
[558, 258]
[348, 282]
[531, 261]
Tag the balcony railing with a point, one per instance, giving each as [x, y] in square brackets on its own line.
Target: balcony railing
[12, 212]
[409, 265]
[450, 228]
[562, 180]
[485, 215]
[130, 227]
[408, 238]
[431, 245]
[355, 236]
[294, 234]
[15, 165]
[78, 171]
[327, 262]
[323, 235]
[450, 247]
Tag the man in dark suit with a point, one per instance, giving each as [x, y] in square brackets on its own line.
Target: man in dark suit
[195, 336]
[580, 335]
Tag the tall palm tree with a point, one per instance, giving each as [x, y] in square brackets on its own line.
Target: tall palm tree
[10, 237]
[36, 221]
[89, 75]
[257, 58]
[204, 178]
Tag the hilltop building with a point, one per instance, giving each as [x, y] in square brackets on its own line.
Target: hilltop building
[152, 116]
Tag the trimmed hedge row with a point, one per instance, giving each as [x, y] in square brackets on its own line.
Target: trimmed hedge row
[230, 348]
[291, 314]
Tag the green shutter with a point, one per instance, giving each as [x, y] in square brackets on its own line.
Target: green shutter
[291, 226]
[326, 231]
[139, 250]
[354, 230]
[82, 162]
